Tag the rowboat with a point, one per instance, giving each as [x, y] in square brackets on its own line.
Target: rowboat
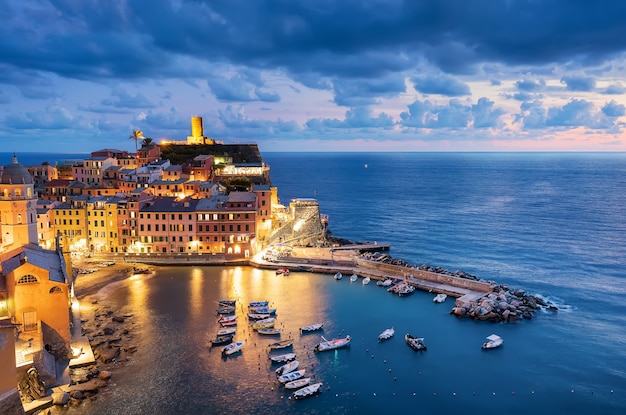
[257, 316]
[221, 340]
[282, 344]
[254, 304]
[353, 277]
[226, 310]
[263, 324]
[366, 280]
[292, 376]
[332, 344]
[307, 391]
[228, 323]
[312, 327]
[233, 348]
[298, 383]
[440, 298]
[262, 310]
[282, 358]
[415, 343]
[226, 332]
[338, 276]
[223, 319]
[230, 303]
[287, 368]
[269, 331]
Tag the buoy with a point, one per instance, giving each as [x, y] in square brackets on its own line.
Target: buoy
[413, 393]
[385, 361]
[394, 378]
[453, 393]
[434, 393]
[374, 393]
[389, 370]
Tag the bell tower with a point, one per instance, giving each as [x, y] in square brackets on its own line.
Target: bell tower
[18, 207]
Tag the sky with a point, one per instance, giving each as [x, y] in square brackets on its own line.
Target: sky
[315, 75]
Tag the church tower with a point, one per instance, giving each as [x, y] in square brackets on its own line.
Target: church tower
[18, 207]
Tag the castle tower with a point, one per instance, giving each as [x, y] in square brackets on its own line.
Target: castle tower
[18, 207]
[197, 132]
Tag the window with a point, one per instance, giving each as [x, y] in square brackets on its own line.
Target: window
[27, 279]
[55, 289]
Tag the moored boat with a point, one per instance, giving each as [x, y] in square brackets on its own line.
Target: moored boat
[282, 358]
[366, 280]
[353, 277]
[311, 327]
[387, 334]
[307, 391]
[440, 298]
[292, 376]
[228, 323]
[262, 310]
[226, 332]
[415, 343]
[338, 276]
[287, 368]
[282, 344]
[493, 341]
[230, 303]
[219, 340]
[298, 383]
[332, 344]
[254, 304]
[270, 331]
[233, 348]
[264, 324]
[258, 316]
[224, 318]
[226, 310]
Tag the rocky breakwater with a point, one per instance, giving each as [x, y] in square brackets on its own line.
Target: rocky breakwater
[110, 334]
[502, 305]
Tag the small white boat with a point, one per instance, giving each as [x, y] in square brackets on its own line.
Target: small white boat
[338, 276]
[387, 334]
[366, 280]
[287, 368]
[493, 341]
[258, 316]
[297, 384]
[226, 332]
[225, 318]
[440, 298]
[262, 310]
[291, 376]
[270, 331]
[387, 282]
[263, 324]
[332, 344]
[307, 391]
[233, 348]
[282, 344]
[312, 327]
[353, 277]
[282, 358]
[415, 343]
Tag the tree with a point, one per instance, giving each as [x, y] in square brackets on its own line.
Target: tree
[136, 135]
[146, 142]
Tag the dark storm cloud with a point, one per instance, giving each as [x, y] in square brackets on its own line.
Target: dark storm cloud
[137, 39]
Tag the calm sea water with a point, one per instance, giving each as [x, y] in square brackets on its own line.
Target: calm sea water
[552, 224]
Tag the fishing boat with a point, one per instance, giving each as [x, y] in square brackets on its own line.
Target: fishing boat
[386, 335]
[332, 344]
[219, 340]
[258, 316]
[283, 358]
[270, 331]
[312, 327]
[415, 343]
[282, 344]
[292, 376]
[366, 280]
[233, 348]
[307, 391]
[230, 303]
[226, 332]
[226, 310]
[223, 318]
[353, 277]
[338, 276]
[493, 341]
[440, 298]
[228, 323]
[298, 383]
[287, 368]
[254, 304]
[263, 310]
[264, 324]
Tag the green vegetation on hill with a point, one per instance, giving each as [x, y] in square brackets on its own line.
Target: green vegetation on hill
[184, 154]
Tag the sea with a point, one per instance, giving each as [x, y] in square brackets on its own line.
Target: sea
[552, 224]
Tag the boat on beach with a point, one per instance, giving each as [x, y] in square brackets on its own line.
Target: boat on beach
[332, 344]
[440, 298]
[311, 327]
[258, 316]
[262, 310]
[256, 304]
[233, 348]
[230, 303]
[415, 343]
[493, 341]
[226, 310]
[291, 376]
[307, 391]
[387, 334]
[282, 358]
[338, 276]
[298, 383]
[282, 344]
[287, 368]
[226, 332]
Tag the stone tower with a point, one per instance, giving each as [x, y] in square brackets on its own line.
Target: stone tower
[18, 207]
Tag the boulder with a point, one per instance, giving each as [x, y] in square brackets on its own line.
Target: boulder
[60, 398]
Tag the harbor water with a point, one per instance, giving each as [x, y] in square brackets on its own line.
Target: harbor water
[551, 224]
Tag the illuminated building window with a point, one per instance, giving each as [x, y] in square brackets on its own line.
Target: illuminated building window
[27, 279]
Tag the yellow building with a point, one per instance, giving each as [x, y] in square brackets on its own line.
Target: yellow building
[70, 219]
